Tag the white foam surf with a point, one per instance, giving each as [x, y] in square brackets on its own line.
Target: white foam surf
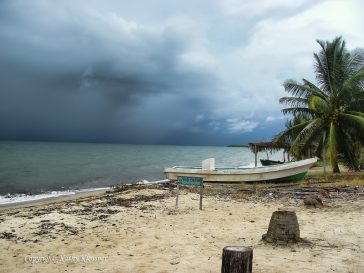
[11, 199]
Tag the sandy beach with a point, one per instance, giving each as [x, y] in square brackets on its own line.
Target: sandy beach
[138, 229]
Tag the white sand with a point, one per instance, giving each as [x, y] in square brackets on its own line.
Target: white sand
[155, 237]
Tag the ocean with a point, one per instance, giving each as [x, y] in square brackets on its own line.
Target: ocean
[45, 169]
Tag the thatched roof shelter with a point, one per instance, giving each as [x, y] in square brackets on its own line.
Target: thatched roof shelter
[267, 146]
[262, 147]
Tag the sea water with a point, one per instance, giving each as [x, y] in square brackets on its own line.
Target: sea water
[54, 169]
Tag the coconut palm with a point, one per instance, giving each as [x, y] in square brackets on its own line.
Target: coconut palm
[332, 111]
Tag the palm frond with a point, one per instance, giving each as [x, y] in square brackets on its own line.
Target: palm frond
[294, 101]
[314, 89]
[295, 129]
[348, 147]
[305, 134]
[360, 114]
[314, 140]
[356, 78]
[354, 101]
[354, 124]
[318, 105]
[356, 59]
[332, 65]
[356, 121]
[296, 89]
[297, 111]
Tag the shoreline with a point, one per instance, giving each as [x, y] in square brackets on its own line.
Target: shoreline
[46, 198]
[54, 199]
[59, 195]
[17, 199]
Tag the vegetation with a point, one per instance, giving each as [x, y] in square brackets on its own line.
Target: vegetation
[328, 118]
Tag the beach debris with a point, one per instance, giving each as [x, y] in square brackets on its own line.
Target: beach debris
[12, 213]
[119, 188]
[103, 216]
[138, 198]
[324, 193]
[283, 228]
[107, 211]
[313, 200]
[46, 228]
[7, 235]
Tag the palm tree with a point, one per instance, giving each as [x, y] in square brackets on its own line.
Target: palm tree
[332, 112]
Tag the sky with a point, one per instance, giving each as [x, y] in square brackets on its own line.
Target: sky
[192, 72]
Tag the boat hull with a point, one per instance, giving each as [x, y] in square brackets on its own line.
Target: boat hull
[294, 171]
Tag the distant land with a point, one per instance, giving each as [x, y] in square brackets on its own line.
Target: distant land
[238, 145]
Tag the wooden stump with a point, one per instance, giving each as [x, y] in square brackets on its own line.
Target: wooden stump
[283, 228]
[237, 259]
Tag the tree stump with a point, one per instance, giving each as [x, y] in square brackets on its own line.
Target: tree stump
[237, 259]
[283, 228]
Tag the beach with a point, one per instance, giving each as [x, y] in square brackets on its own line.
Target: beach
[139, 229]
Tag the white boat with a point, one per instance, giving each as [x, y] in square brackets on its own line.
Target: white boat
[287, 172]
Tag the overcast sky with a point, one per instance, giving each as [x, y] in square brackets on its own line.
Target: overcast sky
[192, 72]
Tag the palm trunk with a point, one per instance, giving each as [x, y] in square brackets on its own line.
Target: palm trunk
[333, 148]
[335, 166]
[324, 152]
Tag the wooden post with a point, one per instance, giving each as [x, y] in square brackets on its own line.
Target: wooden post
[237, 259]
[201, 193]
[189, 181]
[177, 196]
[256, 155]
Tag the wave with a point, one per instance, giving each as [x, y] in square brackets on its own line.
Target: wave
[250, 165]
[146, 182]
[11, 199]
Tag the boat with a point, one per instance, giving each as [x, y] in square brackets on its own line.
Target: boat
[288, 172]
[268, 162]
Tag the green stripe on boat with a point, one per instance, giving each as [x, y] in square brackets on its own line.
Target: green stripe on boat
[293, 178]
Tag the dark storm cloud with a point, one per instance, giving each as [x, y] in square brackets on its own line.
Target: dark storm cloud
[88, 78]
[163, 72]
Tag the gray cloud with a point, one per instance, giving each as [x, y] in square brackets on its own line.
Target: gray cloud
[83, 81]
[167, 73]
